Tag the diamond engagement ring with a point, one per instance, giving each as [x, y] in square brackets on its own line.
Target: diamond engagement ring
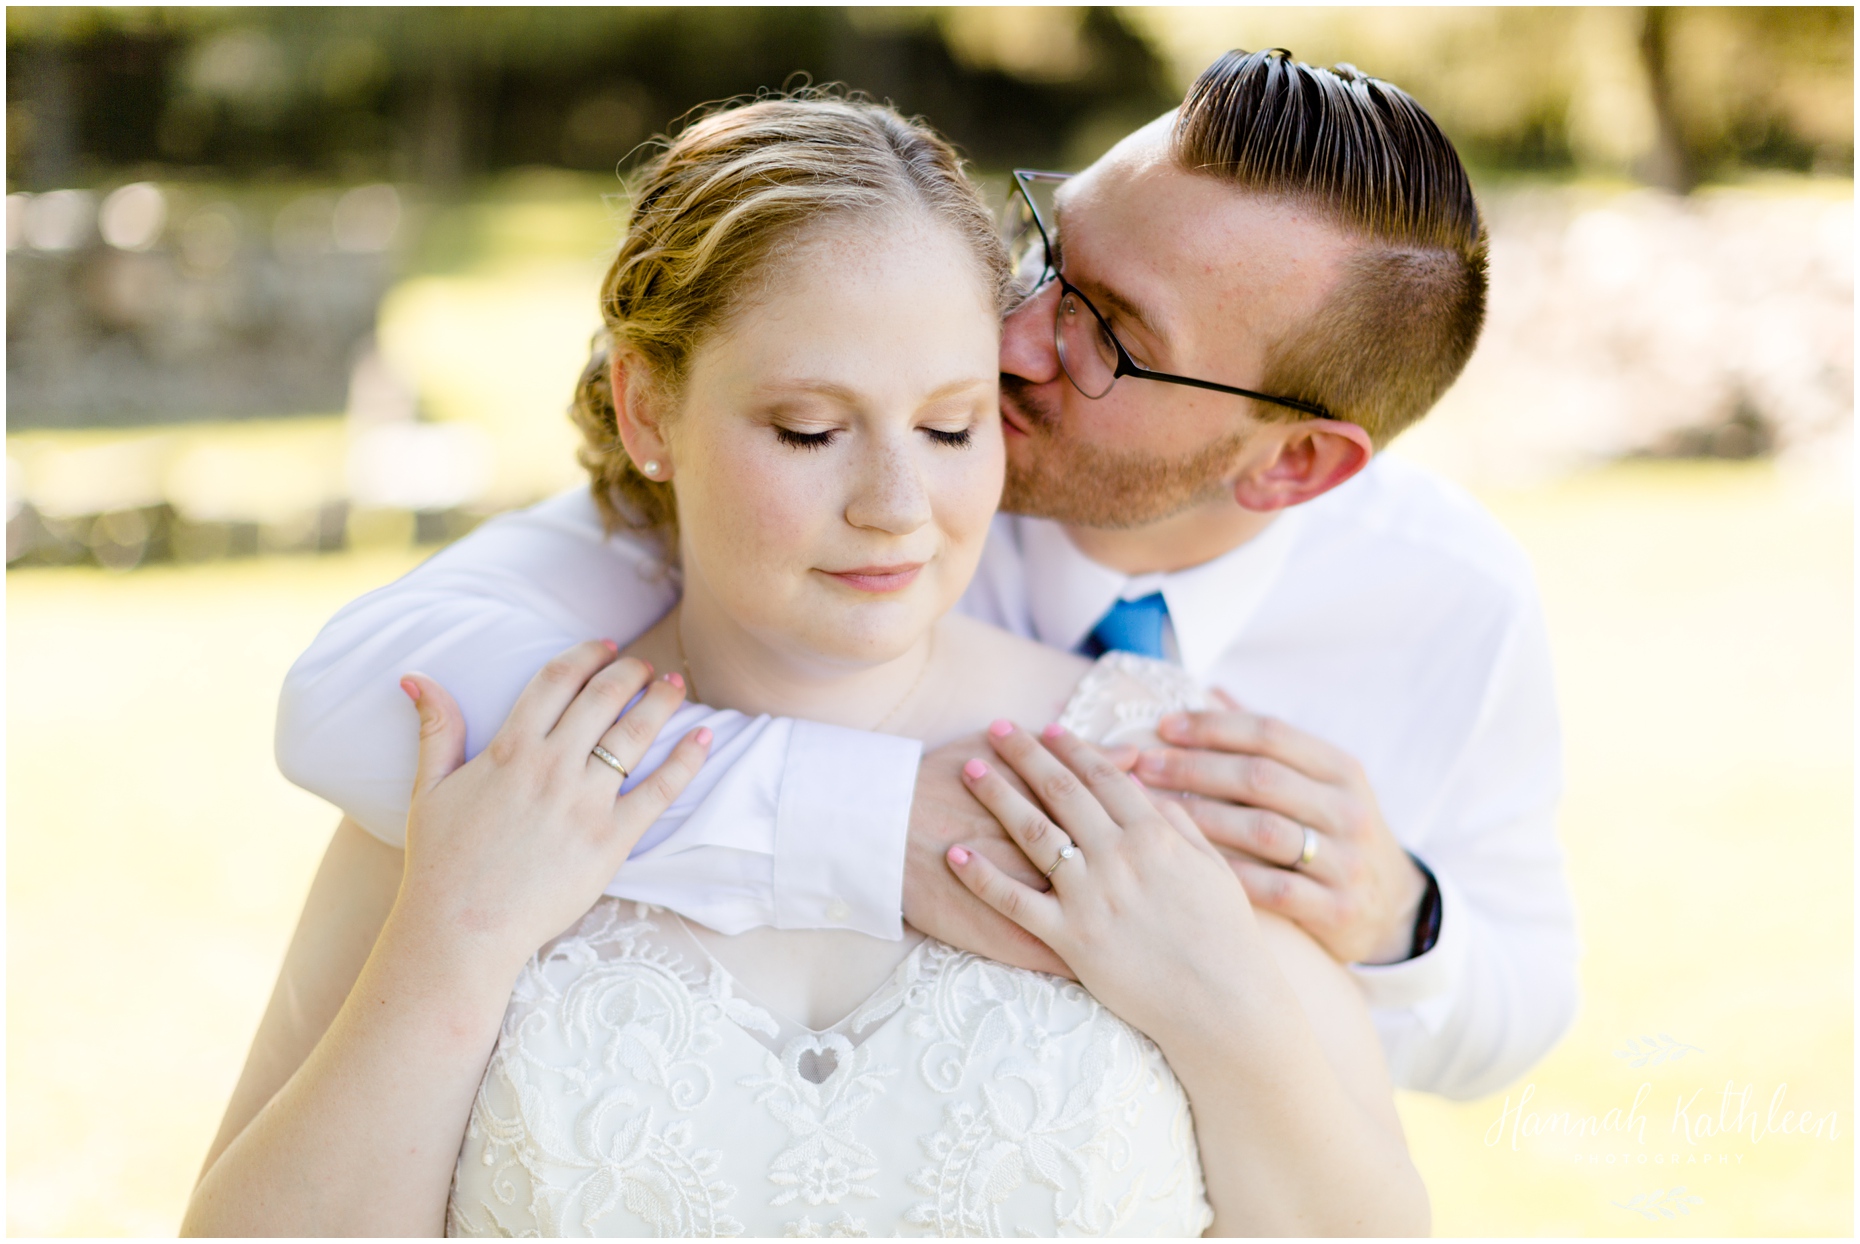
[1310, 849]
[610, 760]
[1064, 855]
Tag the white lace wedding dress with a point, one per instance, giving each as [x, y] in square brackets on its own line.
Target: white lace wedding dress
[636, 1091]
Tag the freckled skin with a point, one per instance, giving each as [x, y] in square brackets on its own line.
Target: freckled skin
[1223, 276]
[898, 325]
[1227, 273]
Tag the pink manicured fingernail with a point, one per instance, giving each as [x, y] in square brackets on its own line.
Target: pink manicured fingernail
[703, 736]
[1053, 731]
[412, 689]
[610, 645]
[975, 770]
[959, 856]
[677, 680]
[1001, 728]
[1174, 723]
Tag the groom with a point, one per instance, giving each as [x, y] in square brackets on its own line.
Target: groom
[1241, 304]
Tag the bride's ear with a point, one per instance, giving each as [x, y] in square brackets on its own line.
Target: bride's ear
[639, 415]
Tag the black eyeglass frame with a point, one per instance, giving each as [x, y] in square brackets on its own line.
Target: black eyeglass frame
[1126, 366]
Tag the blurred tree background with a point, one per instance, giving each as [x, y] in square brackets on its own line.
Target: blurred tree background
[319, 281]
[378, 228]
[442, 96]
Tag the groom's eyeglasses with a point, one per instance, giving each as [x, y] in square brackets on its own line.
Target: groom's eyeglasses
[1089, 352]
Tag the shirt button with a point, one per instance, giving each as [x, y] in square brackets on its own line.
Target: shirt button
[838, 912]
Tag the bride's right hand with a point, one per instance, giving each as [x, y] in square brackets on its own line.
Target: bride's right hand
[510, 849]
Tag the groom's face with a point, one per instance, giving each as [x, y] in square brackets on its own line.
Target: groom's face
[1196, 278]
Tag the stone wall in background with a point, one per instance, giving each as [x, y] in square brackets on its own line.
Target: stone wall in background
[211, 218]
[1622, 323]
[162, 304]
[1630, 324]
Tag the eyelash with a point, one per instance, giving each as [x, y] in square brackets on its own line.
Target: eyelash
[803, 440]
[955, 440]
[820, 440]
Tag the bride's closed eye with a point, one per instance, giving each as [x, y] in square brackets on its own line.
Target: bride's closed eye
[955, 439]
[804, 440]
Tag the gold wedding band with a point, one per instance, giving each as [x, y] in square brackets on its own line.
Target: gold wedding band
[1310, 849]
[1064, 855]
[610, 760]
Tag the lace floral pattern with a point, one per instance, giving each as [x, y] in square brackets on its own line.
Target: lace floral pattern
[586, 1108]
[632, 1093]
[629, 1096]
[826, 1161]
[1123, 696]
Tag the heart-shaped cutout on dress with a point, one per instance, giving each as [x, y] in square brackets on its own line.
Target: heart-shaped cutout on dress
[816, 1066]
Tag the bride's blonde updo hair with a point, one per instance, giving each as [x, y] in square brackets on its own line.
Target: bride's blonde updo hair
[730, 193]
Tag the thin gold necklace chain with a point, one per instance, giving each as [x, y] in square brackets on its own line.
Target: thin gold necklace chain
[916, 683]
[678, 636]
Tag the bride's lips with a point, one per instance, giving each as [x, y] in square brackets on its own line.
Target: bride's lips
[894, 578]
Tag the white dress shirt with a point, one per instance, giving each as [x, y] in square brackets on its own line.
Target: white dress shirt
[1395, 619]
[790, 824]
[1391, 617]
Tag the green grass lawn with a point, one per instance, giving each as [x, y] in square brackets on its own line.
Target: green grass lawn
[1703, 629]
[1702, 617]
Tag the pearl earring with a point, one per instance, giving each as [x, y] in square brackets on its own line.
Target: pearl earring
[650, 467]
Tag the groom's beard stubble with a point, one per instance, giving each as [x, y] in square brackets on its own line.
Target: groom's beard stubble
[1094, 486]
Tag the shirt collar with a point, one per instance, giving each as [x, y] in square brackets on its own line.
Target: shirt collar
[1209, 604]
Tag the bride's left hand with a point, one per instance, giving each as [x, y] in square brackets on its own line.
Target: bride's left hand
[1145, 911]
[1290, 1096]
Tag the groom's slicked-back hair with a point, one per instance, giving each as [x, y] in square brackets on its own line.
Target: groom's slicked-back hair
[1405, 317]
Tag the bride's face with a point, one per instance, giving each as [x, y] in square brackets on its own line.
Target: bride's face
[838, 454]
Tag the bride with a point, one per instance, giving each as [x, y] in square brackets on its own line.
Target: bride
[796, 394]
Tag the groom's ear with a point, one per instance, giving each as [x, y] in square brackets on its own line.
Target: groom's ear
[638, 410]
[1301, 461]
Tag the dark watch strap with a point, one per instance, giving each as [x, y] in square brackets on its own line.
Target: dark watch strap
[1427, 920]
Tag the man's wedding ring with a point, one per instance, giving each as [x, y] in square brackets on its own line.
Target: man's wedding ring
[612, 761]
[1064, 855]
[1309, 852]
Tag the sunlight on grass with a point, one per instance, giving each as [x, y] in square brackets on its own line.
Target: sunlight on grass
[1703, 629]
[1702, 622]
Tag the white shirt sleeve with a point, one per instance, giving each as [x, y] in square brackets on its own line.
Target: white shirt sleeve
[792, 824]
[1499, 986]
[778, 828]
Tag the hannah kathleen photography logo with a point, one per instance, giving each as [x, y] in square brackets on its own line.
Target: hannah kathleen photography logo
[1689, 1124]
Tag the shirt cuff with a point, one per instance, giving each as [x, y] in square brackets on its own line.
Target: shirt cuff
[840, 828]
[1425, 984]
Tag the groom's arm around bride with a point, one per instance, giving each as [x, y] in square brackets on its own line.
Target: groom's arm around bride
[1261, 314]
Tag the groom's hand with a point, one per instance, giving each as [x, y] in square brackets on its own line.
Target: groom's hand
[943, 813]
[1260, 783]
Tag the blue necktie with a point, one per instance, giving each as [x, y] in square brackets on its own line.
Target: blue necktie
[1130, 626]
